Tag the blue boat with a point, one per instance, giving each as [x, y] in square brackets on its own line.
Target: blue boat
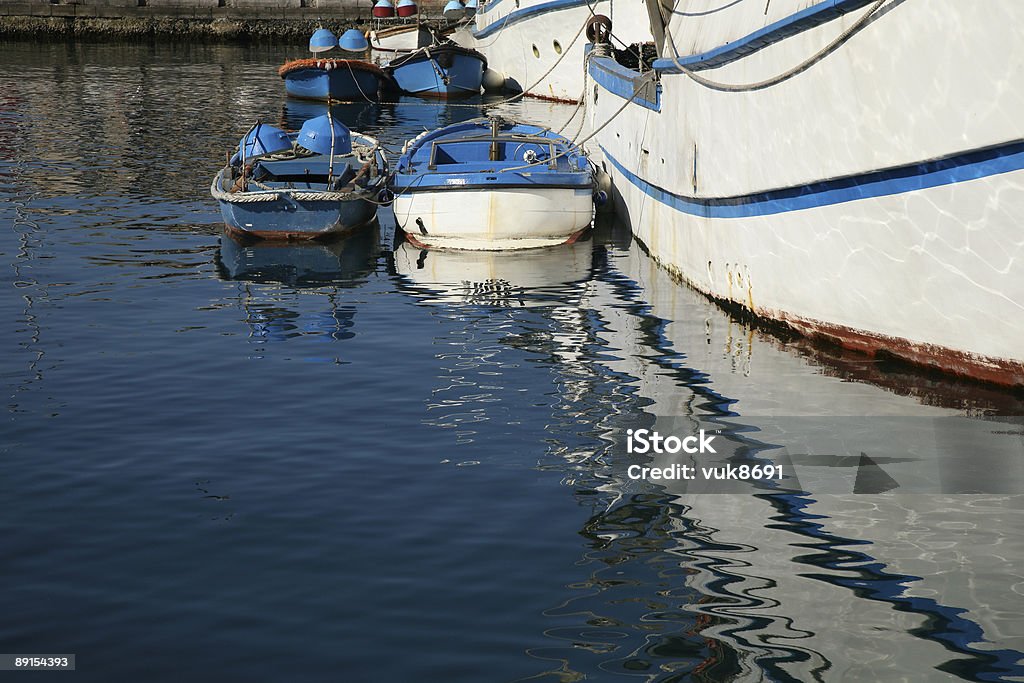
[446, 70]
[492, 184]
[344, 80]
[322, 181]
[326, 79]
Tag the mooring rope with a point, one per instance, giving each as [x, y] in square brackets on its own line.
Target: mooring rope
[784, 76]
[497, 33]
[526, 91]
[355, 80]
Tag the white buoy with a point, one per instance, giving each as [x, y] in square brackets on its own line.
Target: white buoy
[494, 81]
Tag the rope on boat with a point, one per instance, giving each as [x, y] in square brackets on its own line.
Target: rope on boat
[497, 34]
[558, 61]
[273, 194]
[239, 197]
[355, 80]
[784, 76]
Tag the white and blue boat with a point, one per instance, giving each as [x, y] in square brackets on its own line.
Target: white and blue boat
[850, 169]
[492, 184]
[444, 71]
[326, 79]
[322, 181]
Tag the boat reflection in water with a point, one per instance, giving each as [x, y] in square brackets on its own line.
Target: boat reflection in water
[536, 277]
[354, 115]
[342, 262]
[856, 567]
[886, 554]
[290, 290]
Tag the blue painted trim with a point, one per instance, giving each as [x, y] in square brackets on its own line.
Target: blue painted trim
[521, 14]
[491, 4]
[815, 15]
[621, 81]
[947, 171]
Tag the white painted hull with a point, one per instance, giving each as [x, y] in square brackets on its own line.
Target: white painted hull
[509, 218]
[387, 44]
[509, 42]
[934, 275]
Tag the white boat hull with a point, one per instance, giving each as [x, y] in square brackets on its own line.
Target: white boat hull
[387, 44]
[511, 218]
[541, 51]
[816, 202]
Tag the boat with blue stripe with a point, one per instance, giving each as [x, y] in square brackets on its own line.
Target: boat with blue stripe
[322, 181]
[841, 168]
[492, 184]
[444, 71]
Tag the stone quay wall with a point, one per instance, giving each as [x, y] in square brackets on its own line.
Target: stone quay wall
[215, 20]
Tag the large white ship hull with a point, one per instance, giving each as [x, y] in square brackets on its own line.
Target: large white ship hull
[538, 45]
[875, 198]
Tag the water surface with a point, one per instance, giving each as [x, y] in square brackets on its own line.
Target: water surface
[363, 462]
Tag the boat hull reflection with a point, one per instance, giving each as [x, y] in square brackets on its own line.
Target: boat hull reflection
[495, 278]
[298, 263]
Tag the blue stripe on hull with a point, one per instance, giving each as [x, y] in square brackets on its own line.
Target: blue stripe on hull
[518, 15]
[804, 20]
[953, 169]
[625, 82]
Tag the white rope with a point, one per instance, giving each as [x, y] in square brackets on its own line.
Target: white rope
[275, 194]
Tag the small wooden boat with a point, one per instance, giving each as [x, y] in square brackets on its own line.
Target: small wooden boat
[446, 70]
[345, 80]
[393, 41]
[492, 184]
[323, 180]
[326, 79]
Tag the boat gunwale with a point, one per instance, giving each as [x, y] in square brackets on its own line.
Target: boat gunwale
[313, 64]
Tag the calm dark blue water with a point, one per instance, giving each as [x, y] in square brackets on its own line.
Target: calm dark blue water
[363, 462]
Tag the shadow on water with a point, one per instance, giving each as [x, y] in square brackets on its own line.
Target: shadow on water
[279, 280]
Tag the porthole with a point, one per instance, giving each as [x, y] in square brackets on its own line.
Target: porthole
[536, 52]
[558, 47]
